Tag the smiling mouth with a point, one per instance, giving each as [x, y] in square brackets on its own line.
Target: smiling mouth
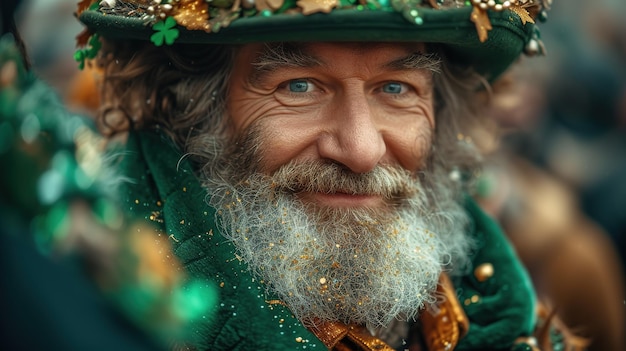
[342, 199]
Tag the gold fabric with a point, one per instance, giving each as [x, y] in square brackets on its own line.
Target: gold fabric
[442, 330]
[341, 337]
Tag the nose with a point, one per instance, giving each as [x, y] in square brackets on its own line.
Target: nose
[353, 137]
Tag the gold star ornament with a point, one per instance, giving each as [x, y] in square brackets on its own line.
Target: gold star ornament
[313, 6]
[482, 22]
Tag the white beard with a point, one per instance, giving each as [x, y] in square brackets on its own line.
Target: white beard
[351, 265]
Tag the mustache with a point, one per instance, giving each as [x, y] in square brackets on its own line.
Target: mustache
[387, 181]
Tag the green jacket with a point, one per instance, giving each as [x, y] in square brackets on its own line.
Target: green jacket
[163, 189]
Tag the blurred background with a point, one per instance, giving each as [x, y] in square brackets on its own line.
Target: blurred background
[555, 172]
[49, 29]
[574, 123]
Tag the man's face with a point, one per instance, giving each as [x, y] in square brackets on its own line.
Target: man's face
[325, 184]
[357, 105]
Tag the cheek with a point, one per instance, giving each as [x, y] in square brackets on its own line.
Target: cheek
[283, 138]
[286, 133]
[411, 145]
[245, 108]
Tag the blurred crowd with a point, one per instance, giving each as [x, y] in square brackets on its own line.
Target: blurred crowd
[556, 166]
[555, 173]
[577, 127]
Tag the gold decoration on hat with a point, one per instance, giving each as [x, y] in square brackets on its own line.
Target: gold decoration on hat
[313, 6]
[523, 14]
[481, 19]
[193, 14]
[433, 4]
[482, 22]
[83, 5]
[211, 15]
[268, 4]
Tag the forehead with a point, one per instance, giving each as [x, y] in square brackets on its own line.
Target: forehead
[324, 53]
[361, 48]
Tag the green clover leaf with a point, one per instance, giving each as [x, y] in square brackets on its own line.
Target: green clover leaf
[89, 52]
[79, 56]
[165, 32]
[94, 45]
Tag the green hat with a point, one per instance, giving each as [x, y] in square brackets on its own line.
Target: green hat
[486, 34]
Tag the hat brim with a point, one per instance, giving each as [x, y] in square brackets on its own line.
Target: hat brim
[451, 27]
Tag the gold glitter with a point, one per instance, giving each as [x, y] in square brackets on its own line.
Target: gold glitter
[137, 201]
[193, 14]
[299, 339]
[159, 203]
[221, 284]
[182, 221]
[155, 216]
[173, 238]
[322, 280]
[184, 188]
[467, 302]
[475, 298]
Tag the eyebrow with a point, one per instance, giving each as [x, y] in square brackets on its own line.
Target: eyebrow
[417, 61]
[280, 55]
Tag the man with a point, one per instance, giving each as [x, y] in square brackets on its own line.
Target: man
[308, 158]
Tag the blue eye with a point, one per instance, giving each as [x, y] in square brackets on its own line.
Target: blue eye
[299, 86]
[393, 88]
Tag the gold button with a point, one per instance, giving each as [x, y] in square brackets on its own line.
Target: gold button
[483, 272]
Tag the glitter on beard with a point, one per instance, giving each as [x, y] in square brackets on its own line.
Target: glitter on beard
[354, 265]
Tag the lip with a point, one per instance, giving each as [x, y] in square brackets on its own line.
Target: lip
[342, 199]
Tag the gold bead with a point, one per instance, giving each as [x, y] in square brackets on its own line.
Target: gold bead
[483, 272]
